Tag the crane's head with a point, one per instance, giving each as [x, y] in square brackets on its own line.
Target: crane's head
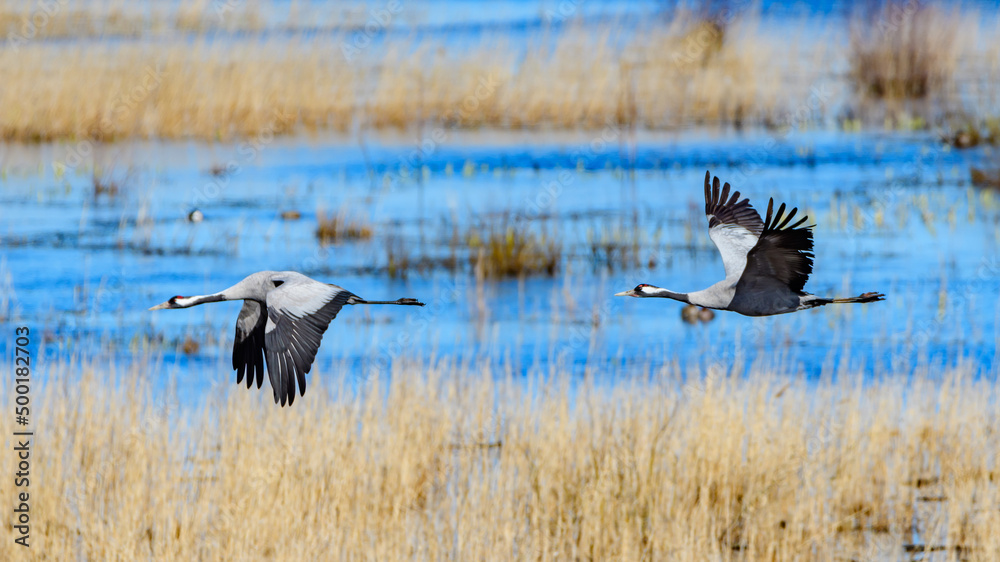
[172, 303]
[641, 290]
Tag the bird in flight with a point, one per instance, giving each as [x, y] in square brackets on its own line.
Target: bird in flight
[283, 319]
[767, 261]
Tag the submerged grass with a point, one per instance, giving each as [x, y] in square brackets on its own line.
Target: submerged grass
[339, 227]
[507, 247]
[446, 462]
[620, 245]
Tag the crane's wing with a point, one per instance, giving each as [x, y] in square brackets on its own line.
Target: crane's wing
[782, 255]
[298, 313]
[733, 225]
[248, 350]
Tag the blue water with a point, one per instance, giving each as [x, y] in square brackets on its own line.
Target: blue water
[893, 213]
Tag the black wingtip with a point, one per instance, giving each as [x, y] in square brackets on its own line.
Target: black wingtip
[708, 193]
[788, 218]
[735, 199]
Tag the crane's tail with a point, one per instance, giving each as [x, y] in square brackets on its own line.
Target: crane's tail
[812, 300]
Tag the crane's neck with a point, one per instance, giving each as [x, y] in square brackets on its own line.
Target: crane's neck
[664, 294]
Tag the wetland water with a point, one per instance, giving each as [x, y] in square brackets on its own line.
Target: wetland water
[894, 213]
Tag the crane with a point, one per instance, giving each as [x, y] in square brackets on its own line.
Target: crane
[767, 262]
[283, 319]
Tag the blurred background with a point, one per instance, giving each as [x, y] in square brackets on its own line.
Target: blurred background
[513, 164]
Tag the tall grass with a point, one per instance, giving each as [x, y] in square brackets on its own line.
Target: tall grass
[898, 54]
[448, 462]
[28, 21]
[508, 247]
[176, 91]
[259, 88]
[672, 73]
[341, 226]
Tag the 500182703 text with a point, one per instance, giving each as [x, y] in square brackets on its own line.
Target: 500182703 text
[22, 439]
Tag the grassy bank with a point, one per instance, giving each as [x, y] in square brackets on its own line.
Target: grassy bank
[456, 463]
[679, 72]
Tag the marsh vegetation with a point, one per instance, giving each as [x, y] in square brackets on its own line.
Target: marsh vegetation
[443, 461]
[909, 67]
[513, 176]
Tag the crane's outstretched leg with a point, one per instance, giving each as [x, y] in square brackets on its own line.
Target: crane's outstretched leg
[404, 301]
[812, 301]
[866, 297]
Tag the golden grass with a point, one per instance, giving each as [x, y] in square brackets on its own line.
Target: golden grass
[683, 72]
[174, 89]
[444, 462]
[906, 54]
[510, 248]
[200, 91]
[22, 22]
[64, 19]
[337, 227]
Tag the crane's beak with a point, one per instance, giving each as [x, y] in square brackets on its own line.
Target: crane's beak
[628, 293]
[161, 306]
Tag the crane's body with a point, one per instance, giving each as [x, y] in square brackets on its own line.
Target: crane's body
[282, 322]
[767, 262]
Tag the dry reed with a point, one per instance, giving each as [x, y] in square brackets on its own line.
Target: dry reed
[680, 72]
[443, 462]
[221, 90]
[904, 54]
[509, 247]
[339, 226]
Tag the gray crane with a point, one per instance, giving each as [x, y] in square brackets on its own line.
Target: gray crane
[298, 311]
[767, 262]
